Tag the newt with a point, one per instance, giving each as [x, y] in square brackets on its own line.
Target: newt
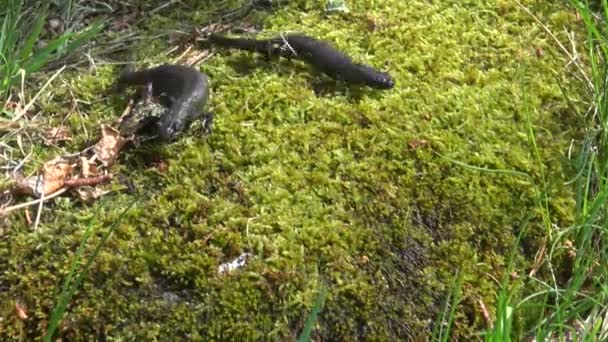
[182, 89]
[320, 54]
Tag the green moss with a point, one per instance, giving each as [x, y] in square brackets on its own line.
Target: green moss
[320, 189]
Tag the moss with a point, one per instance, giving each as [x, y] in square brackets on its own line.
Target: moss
[321, 186]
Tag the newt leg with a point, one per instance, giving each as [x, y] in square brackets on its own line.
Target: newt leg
[206, 123]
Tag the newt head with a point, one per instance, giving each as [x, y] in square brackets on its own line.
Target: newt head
[169, 126]
[177, 120]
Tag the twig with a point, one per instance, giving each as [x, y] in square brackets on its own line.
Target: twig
[25, 159]
[29, 104]
[39, 212]
[159, 8]
[177, 59]
[202, 57]
[77, 182]
[68, 184]
[76, 154]
[30, 203]
[28, 216]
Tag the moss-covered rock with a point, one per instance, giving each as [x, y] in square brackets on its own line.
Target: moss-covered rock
[349, 188]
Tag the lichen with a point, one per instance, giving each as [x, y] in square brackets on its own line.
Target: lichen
[322, 187]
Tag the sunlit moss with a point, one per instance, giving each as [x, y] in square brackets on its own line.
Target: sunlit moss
[346, 188]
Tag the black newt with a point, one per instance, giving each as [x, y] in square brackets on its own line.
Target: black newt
[318, 53]
[184, 90]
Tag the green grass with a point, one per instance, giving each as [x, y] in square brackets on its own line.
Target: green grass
[305, 336]
[576, 307]
[579, 305]
[22, 27]
[69, 288]
[584, 297]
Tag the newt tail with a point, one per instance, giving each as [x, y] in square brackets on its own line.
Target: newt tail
[251, 45]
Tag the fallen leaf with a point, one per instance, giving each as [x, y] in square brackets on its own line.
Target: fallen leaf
[57, 134]
[52, 179]
[55, 175]
[88, 193]
[88, 169]
[108, 147]
[27, 186]
[10, 105]
[15, 107]
[124, 22]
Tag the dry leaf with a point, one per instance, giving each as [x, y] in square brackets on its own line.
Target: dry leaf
[88, 169]
[55, 175]
[18, 109]
[51, 180]
[110, 144]
[123, 22]
[27, 186]
[57, 134]
[88, 193]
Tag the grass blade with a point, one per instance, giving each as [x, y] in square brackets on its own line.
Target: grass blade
[84, 36]
[69, 289]
[312, 318]
[44, 55]
[31, 40]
